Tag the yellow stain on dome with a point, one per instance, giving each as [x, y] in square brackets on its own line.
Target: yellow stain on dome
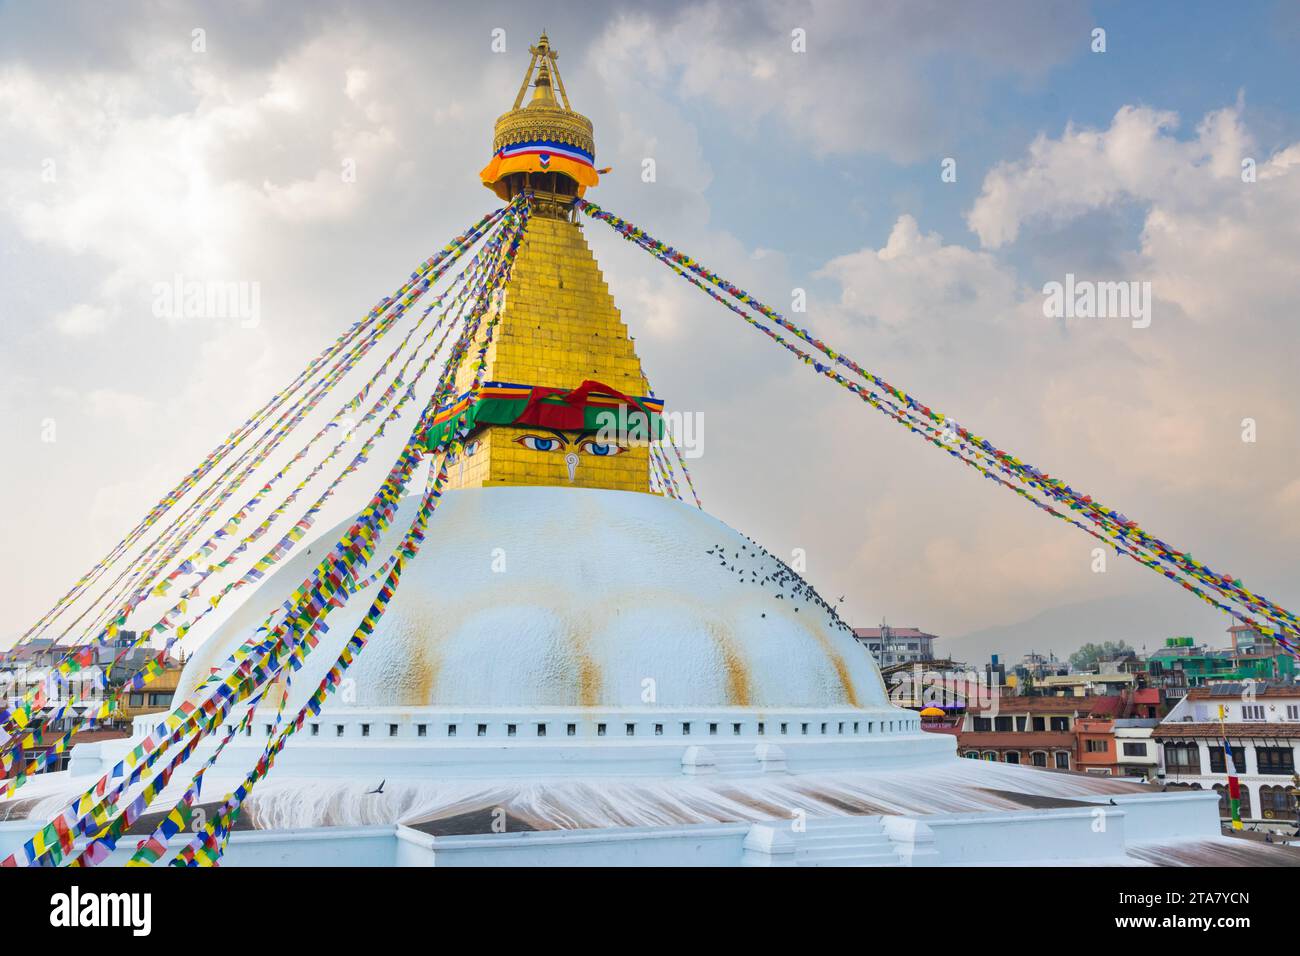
[590, 682]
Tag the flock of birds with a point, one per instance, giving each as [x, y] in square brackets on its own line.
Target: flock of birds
[782, 582]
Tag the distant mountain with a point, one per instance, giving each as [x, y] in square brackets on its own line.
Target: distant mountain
[1138, 620]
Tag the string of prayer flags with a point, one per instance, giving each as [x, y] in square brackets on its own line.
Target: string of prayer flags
[1117, 530]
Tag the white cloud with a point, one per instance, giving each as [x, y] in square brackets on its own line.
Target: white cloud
[866, 82]
[1137, 159]
[916, 281]
[81, 319]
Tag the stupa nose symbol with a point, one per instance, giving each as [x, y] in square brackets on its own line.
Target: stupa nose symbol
[571, 461]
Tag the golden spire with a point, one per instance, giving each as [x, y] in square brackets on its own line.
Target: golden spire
[563, 399]
[542, 95]
[545, 146]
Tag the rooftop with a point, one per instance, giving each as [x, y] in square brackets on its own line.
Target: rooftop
[1219, 691]
[1051, 705]
[1023, 740]
[1255, 729]
[898, 633]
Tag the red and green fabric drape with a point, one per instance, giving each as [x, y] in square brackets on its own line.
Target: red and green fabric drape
[592, 406]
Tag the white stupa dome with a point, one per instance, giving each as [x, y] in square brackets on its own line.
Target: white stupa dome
[560, 597]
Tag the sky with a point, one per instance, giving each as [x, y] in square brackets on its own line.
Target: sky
[132, 153]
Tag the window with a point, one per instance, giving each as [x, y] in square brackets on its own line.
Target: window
[1062, 760]
[1275, 803]
[972, 754]
[713, 730]
[1061, 723]
[1225, 805]
[1002, 724]
[1218, 764]
[659, 730]
[511, 729]
[159, 700]
[315, 730]
[1096, 746]
[1275, 760]
[786, 727]
[1293, 711]
[482, 730]
[1040, 723]
[268, 729]
[541, 730]
[1012, 756]
[392, 730]
[1134, 749]
[983, 724]
[855, 727]
[365, 730]
[137, 700]
[631, 730]
[1182, 758]
[1021, 722]
[824, 729]
[991, 755]
[1038, 758]
[600, 730]
[762, 731]
[338, 730]
[840, 730]
[1252, 711]
[571, 729]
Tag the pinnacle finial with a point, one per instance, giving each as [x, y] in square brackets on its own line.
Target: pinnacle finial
[542, 93]
[544, 135]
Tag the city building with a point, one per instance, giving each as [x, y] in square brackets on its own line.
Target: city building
[1095, 748]
[896, 645]
[1249, 657]
[1086, 685]
[1136, 754]
[29, 671]
[1097, 735]
[154, 698]
[1033, 667]
[1037, 731]
[1261, 726]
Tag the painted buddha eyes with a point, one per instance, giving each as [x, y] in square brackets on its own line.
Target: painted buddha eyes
[588, 446]
[592, 447]
[538, 443]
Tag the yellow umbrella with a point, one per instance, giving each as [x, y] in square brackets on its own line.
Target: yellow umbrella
[932, 712]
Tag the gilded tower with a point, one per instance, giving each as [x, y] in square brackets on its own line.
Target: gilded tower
[564, 400]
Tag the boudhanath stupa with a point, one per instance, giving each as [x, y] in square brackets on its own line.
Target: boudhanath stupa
[581, 669]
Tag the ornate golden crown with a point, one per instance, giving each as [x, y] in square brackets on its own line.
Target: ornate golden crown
[543, 118]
